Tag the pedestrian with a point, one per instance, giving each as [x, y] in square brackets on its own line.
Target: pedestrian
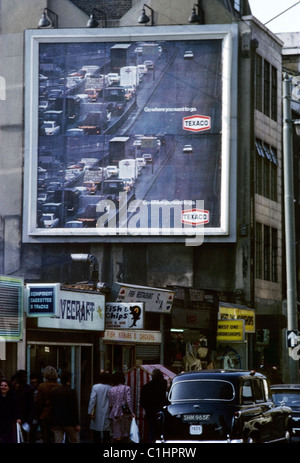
[34, 381]
[25, 396]
[98, 409]
[118, 396]
[153, 398]
[64, 414]
[9, 413]
[43, 401]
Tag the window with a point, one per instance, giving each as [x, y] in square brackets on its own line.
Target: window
[266, 88]
[266, 252]
[237, 5]
[258, 390]
[202, 390]
[247, 397]
[266, 108]
[274, 93]
[259, 86]
[274, 268]
[267, 256]
[258, 250]
[266, 170]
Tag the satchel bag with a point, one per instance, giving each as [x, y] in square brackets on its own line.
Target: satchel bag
[125, 406]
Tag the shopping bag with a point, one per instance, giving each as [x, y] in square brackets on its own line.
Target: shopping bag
[134, 431]
[19, 434]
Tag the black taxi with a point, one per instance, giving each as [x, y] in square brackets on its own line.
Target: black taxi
[223, 406]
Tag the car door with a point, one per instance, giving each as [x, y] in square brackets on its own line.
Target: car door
[268, 431]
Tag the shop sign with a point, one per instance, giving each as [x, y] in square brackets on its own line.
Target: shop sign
[124, 315]
[148, 337]
[235, 312]
[231, 331]
[42, 299]
[77, 311]
[195, 319]
[11, 308]
[155, 299]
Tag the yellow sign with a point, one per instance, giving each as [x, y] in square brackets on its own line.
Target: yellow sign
[231, 331]
[235, 313]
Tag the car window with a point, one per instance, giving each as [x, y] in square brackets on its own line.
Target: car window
[202, 390]
[247, 394]
[286, 396]
[259, 395]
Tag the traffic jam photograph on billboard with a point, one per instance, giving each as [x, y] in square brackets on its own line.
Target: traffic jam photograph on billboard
[128, 137]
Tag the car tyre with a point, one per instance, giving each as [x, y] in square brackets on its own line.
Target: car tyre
[288, 437]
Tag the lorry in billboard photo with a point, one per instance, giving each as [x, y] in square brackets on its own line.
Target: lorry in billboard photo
[128, 168]
[95, 122]
[129, 75]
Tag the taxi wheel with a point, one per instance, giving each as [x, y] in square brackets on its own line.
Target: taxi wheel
[251, 439]
[288, 437]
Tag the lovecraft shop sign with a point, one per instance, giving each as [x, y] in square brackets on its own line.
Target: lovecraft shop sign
[77, 311]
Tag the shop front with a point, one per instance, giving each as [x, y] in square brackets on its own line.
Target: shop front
[191, 337]
[208, 333]
[68, 340]
[235, 331]
[134, 322]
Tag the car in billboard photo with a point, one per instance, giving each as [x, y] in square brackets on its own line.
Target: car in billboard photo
[229, 406]
[188, 55]
[187, 149]
[147, 157]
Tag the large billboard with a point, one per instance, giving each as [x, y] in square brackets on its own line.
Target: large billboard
[130, 133]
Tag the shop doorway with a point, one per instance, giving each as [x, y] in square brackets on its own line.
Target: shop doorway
[77, 359]
[119, 357]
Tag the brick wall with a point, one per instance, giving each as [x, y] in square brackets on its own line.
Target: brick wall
[114, 9]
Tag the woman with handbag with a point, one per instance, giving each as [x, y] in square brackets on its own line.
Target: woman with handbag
[121, 413]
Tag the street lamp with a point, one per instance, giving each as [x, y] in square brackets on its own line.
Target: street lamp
[92, 22]
[196, 18]
[49, 18]
[144, 19]
[289, 219]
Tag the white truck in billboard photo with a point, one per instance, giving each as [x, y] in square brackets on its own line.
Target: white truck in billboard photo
[128, 168]
[129, 75]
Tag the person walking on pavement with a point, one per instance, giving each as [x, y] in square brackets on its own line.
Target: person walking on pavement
[98, 409]
[64, 415]
[43, 401]
[25, 396]
[9, 413]
[118, 396]
[153, 399]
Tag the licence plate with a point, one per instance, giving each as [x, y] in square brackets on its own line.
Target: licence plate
[196, 417]
[195, 429]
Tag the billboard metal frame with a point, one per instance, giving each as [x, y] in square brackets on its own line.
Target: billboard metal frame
[225, 231]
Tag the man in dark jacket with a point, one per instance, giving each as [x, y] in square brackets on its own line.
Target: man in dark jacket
[64, 417]
[153, 399]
